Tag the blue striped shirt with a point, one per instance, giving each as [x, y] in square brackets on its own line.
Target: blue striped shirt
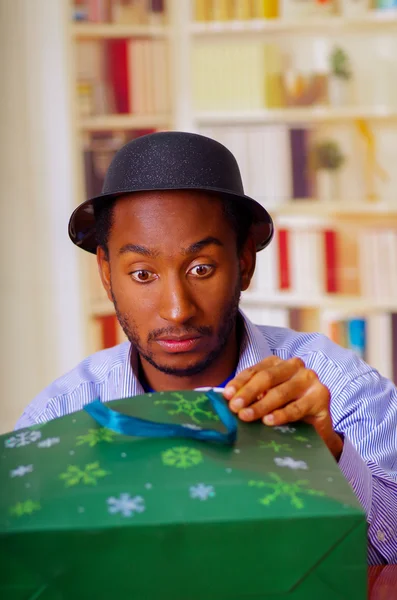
[363, 409]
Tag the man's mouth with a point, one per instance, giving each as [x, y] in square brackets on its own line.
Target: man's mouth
[183, 343]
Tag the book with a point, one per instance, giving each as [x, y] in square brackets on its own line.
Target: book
[300, 161]
[284, 259]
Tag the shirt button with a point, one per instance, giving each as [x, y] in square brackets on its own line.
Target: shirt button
[381, 536]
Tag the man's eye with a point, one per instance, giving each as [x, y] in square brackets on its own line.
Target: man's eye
[201, 270]
[142, 276]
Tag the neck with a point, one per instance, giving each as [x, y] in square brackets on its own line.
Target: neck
[219, 370]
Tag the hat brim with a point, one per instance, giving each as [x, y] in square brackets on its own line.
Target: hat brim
[82, 221]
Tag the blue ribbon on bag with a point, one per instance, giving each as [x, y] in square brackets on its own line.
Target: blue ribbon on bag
[133, 426]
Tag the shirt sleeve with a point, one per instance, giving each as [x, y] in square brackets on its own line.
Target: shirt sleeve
[24, 421]
[369, 458]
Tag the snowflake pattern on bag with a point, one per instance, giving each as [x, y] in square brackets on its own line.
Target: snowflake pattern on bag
[22, 438]
[291, 463]
[202, 491]
[278, 488]
[182, 457]
[125, 505]
[21, 471]
[47, 443]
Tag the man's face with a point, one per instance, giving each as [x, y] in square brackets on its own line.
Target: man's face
[175, 278]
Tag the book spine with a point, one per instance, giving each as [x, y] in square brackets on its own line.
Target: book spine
[300, 163]
[117, 74]
[331, 269]
[283, 259]
[109, 333]
[379, 345]
[357, 336]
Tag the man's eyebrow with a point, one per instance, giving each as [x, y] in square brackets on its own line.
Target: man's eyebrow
[138, 250]
[197, 246]
[192, 249]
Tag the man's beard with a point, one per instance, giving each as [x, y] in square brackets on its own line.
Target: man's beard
[225, 329]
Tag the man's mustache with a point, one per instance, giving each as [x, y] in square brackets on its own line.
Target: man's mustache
[172, 331]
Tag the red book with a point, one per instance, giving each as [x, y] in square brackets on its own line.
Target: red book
[108, 331]
[117, 74]
[283, 259]
[330, 248]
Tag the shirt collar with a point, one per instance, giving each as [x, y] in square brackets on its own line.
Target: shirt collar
[254, 348]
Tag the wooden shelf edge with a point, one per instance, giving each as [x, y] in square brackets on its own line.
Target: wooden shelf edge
[339, 208]
[109, 122]
[115, 30]
[381, 20]
[349, 304]
[311, 114]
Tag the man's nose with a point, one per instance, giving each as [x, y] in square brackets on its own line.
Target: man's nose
[176, 303]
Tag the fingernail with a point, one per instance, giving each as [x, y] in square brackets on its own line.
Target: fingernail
[237, 404]
[229, 391]
[247, 414]
[268, 420]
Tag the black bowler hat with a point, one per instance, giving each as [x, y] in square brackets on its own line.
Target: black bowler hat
[170, 160]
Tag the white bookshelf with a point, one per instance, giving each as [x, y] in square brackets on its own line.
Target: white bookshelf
[341, 211]
[183, 34]
[84, 126]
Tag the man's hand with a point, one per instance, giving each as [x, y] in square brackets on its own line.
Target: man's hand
[282, 391]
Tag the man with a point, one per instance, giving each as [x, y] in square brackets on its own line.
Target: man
[176, 240]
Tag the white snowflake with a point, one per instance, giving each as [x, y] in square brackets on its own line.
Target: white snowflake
[285, 429]
[48, 442]
[21, 471]
[23, 438]
[202, 491]
[291, 463]
[126, 505]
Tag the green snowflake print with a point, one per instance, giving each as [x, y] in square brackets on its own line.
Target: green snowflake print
[24, 508]
[94, 436]
[301, 438]
[281, 488]
[275, 446]
[192, 408]
[87, 476]
[182, 457]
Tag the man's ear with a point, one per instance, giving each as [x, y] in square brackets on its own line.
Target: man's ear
[104, 270]
[247, 260]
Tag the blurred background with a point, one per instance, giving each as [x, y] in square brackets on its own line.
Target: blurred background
[304, 93]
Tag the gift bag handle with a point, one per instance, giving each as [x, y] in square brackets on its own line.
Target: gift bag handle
[133, 426]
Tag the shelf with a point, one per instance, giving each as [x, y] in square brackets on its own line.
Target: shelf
[350, 304]
[337, 208]
[307, 114]
[121, 122]
[373, 22]
[113, 30]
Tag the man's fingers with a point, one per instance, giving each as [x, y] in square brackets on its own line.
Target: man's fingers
[262, 381]
[277, 397]
[311, 407]
[235, 384]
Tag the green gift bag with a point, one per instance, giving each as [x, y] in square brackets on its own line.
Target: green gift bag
[177, 509]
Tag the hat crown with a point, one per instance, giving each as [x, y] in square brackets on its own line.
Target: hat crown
[170, 160]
